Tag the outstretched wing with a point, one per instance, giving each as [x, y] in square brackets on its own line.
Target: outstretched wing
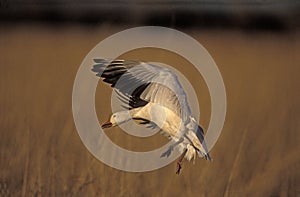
[142, 83]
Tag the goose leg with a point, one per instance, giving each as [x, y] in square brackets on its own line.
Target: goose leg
[179, 162]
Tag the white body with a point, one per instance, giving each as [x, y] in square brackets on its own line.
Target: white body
[171, 124]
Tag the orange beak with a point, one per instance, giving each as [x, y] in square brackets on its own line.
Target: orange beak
[107, 124]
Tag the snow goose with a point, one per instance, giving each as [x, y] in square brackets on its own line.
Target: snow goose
[143, 86]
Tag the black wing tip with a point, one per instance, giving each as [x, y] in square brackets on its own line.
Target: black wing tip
[111, 70]
[106, 60]
[208, 158]
[99, 66]
[100, 60]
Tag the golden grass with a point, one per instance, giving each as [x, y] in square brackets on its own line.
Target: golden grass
[41, 153]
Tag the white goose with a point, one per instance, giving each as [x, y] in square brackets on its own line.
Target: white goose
[145, 86]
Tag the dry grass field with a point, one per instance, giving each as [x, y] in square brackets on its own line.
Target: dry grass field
[41, 153]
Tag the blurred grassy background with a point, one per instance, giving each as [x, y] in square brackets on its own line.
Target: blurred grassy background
[41, 153]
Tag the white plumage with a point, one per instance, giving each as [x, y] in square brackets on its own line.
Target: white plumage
[154, 96]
